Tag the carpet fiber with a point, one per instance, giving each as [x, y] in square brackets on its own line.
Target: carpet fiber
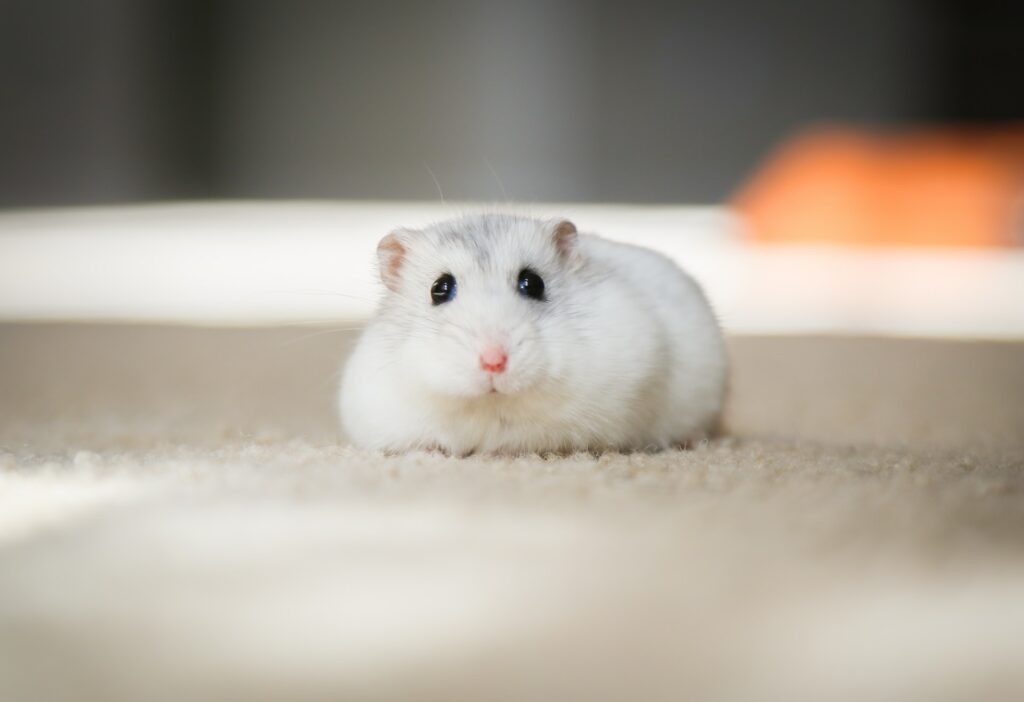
[179, 519]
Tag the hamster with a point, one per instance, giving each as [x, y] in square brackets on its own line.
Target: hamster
[507, 334]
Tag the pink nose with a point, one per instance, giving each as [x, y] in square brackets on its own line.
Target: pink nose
[493, 359]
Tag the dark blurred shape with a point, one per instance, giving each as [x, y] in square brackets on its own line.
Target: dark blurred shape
[121, 100]
[107, 100]
[979, 59]
[918, 187]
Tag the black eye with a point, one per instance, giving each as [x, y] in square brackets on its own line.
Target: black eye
[530, 284]
[443, 289]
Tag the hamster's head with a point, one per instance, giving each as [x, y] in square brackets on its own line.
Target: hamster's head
[482, 305]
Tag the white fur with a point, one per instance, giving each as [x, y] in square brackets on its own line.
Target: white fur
[624, 354]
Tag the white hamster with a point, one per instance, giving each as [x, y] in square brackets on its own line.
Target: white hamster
[508, 334]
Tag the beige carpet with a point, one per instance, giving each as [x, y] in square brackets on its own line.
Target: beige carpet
[179, 520]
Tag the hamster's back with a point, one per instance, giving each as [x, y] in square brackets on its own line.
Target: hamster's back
[697, 368]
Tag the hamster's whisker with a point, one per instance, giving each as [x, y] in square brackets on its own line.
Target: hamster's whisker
[437, 183]
[497, 178]
[328, 293]
[387, 365]
[321, 332]
[321, 322]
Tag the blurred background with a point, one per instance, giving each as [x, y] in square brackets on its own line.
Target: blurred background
[878, 146]
[111, 101]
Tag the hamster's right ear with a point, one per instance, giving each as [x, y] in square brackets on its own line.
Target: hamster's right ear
[564, 235]
[391, 253]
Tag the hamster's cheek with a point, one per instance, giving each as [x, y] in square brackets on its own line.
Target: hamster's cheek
[543, 356]
[445, 367]
[526, 369]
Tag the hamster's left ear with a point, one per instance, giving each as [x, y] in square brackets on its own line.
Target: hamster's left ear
[564, 236]
[390, 256]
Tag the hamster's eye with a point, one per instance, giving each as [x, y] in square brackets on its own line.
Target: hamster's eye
[443, 289]
[530, 284]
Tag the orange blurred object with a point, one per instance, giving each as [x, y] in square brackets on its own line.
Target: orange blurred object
[928, 187]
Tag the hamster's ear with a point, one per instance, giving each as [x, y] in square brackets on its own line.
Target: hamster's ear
[390, 256]
[564, 236]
